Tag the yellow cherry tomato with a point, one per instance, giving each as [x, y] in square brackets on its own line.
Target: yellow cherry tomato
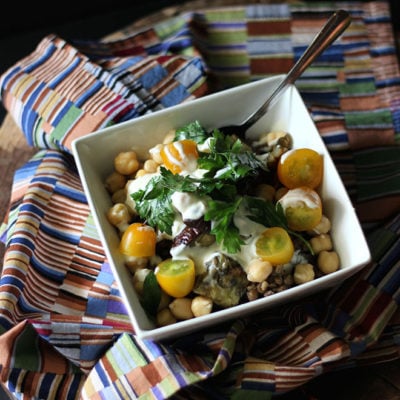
[176, 277]
[302, 207]
[180, 156]
[300, 167]
[139, 240]
[275, 245]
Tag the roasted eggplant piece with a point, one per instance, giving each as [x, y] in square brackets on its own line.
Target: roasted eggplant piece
[224, 281]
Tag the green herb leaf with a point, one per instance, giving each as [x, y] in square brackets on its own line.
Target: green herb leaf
[228, 163]
[151, 297]
[229, 159]
[223, 227]
[193, 131]
[154, 205]
[265, 212]
[268, 214]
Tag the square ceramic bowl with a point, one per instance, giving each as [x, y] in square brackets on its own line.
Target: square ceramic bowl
[94, 155]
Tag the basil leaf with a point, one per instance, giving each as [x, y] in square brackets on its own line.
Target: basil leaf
[151, 296]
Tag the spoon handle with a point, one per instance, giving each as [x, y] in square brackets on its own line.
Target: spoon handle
[335, 25]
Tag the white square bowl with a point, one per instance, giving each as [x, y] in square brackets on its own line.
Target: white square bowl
[94, 155]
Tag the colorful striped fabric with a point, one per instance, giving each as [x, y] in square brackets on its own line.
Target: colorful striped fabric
[58, 94]
[64, 330]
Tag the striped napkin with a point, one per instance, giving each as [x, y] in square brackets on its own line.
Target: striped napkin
[64, 330]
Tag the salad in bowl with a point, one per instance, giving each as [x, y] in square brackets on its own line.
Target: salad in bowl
[199, 228]
[209, 221]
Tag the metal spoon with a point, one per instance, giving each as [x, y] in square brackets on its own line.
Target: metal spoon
[335, 25]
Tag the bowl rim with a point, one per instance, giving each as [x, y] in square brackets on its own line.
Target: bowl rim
[214, 318]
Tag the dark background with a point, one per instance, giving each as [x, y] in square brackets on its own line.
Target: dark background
[23, 26]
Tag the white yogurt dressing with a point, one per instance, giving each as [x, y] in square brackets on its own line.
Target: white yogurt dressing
[205, 146]
[189, 206]
[134, 185]
[297, 197]
[194, 208]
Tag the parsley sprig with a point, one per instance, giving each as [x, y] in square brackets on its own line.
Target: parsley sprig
[154, 203]
[229, 159]
[228, 163]
[222, 213]
[193, 131]
[265, 212]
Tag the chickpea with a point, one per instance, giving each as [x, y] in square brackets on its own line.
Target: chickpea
[126, 162]
[303, 273]
[165, 317]
[201, 305]
[138, 279]
[155, 153]
[265, 191]
[269, 138]
[119, 216]
[115, 181]
[150, 166]
[258, 270]
[181, 308]
[328, 261]
[321, 242]
[169, 137]
[135, 263]
[324, 226]
[274, 136]
[119, 196]
[140, 172]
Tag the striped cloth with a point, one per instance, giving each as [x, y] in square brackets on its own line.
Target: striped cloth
[64, 330]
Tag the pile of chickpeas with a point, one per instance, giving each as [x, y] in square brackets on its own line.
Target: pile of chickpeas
[264, 279]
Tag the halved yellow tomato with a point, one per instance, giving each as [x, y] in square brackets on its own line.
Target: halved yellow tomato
[176, 277]
[302, 207]
[138, 240]
[300, 167]
[180, 155]
[275, 245]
